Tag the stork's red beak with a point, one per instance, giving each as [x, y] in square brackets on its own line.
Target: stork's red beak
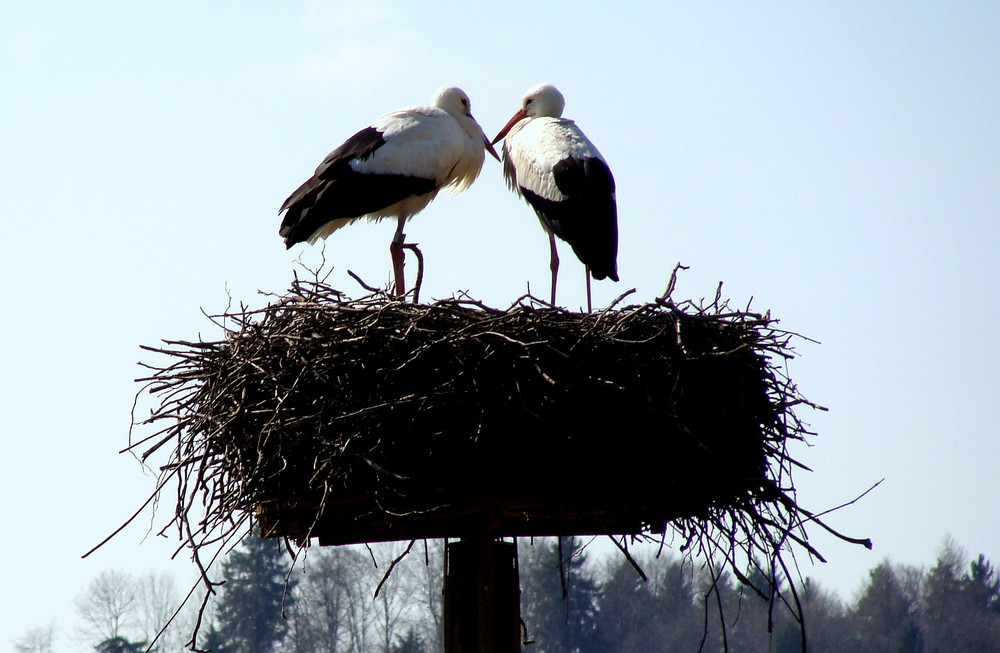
[489, 147]
[518, 117]
[486, 141]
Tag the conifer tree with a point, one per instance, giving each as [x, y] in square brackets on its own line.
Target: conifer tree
[120, 645]
[559, 597]
[250, 615]
[885, 615]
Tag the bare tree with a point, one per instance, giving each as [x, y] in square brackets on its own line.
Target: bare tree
[37, 640]
[157, 601]
[429, 576]
[359, 615]
[398, 605]
[109, 606]
[319, 615]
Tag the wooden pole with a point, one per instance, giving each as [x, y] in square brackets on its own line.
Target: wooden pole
[482, 611]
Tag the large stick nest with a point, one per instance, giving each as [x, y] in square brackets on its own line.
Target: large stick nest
[374, 419]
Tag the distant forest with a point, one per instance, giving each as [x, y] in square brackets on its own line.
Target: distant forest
[326, 605]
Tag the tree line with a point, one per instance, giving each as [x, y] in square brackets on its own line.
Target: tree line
[570, 603]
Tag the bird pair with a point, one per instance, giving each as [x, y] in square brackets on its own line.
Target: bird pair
[398, 164]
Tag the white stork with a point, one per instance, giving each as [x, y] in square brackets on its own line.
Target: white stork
[551, 164]
[392, 168]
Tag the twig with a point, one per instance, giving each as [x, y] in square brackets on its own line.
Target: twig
[420, 270]
[361, 283]
[392, 566]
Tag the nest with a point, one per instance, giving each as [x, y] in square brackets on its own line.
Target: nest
[373, 419]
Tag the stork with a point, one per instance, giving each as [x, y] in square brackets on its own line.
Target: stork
[549, 162]
[392, 168]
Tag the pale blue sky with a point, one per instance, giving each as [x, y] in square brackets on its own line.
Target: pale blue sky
[838, 162]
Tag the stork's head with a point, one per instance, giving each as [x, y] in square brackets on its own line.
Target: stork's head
[454, 100]
[543, 100]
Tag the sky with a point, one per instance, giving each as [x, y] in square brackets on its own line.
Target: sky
[836, 164]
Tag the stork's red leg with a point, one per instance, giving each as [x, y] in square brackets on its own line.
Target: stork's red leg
[553, 264]
[396, 251]
[586, 273]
